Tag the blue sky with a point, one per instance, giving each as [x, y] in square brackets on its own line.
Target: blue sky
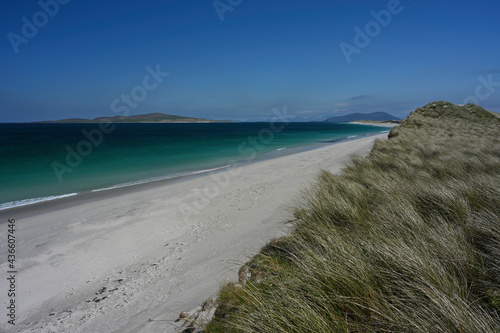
[242, 59]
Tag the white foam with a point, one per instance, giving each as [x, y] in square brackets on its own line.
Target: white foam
[155, 179]
[26, 202]
[31, 201]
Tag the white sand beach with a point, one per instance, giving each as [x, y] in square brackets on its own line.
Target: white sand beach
[130, 260]
[374, 123]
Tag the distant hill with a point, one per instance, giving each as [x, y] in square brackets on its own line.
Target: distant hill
[143, 118]
[375, 116]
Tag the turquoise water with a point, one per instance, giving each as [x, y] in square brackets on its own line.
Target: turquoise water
[46, 161]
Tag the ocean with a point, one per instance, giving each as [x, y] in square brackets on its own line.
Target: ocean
[42, 162]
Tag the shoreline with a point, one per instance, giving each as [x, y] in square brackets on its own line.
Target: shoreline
[132, 259]
[379, 124]
[60, 199]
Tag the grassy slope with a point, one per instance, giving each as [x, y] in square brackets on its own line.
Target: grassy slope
[406, 240]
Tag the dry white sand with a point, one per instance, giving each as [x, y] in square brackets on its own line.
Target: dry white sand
[374, 123]
[131, 260]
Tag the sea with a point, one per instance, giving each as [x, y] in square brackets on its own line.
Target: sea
[47, 161]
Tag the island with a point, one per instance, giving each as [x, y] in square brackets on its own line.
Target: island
[143, 118]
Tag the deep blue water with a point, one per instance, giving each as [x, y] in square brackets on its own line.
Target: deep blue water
[40, 161]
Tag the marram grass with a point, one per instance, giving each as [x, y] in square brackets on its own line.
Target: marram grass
[405, 240]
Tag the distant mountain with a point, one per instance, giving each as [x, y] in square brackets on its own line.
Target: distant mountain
[375, 116]
[143, 118]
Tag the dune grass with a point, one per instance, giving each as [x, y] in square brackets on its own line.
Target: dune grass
[405, 240]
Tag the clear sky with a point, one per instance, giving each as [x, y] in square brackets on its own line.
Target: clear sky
[238, 59]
